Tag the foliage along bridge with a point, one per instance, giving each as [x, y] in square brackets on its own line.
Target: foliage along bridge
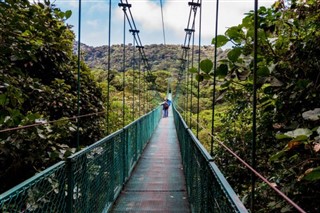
[145, 167]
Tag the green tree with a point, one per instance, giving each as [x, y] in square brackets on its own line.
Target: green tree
[38, 83]
[288, 87]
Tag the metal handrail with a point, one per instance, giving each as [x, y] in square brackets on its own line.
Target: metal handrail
[89, 180]
[208, 189]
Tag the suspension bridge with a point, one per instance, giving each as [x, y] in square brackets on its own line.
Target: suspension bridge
[154, 164]
[147, 166]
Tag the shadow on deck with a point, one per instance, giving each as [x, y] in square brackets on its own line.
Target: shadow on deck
[157, 183]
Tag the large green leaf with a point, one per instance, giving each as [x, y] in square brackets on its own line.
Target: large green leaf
[234, 54]
[206, 76]
[277, 155]
[68, 14]
[312, 174]
[26, 33]
[299, 132]
[3, 99]
[281, 136]
[263, 71]
[301, 138]
[268, 90]
[193, 70]
[206, 65]
[312, 115]
[226, 84]
[221, 40]
[250, 32]
[247, 22]
[199, 77]
[235, 33]
[222, 70]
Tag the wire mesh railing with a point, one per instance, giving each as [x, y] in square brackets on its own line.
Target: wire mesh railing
[43, 192]
[207, 188]
[88, 181]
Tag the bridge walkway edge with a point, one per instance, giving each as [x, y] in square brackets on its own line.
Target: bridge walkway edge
[157, 183]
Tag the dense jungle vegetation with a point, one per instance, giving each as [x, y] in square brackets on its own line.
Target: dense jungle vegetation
[288, 104]
[39, 83]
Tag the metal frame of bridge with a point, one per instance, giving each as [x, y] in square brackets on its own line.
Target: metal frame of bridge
[92, 179]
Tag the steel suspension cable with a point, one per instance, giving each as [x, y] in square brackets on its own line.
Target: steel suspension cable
[188, 36]
[133, 67]
[192, 60]
[40, 123]
[256, 173]
[193, 8]
[214, 76]
[163, 30]
[254, 104]
[185, 53]
[132, 26]
[187, 77]
[133, 23]
[139, 75]
[109, 67]
[191, 81]
[78, 77]
[147, 93]
[164, 43]
[124, 68]
[199, 58]
[136, 38]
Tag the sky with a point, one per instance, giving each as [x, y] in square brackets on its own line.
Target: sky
[147, 16]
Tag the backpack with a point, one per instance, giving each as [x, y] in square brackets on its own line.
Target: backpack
[165, 105]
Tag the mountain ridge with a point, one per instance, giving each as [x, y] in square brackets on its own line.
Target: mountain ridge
[160, 57]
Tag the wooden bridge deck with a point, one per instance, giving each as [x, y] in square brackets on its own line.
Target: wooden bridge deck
[157, 183]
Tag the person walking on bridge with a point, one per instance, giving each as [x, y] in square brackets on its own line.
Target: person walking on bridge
[165, 108]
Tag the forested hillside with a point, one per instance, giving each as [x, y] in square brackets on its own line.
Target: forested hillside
[160, 57]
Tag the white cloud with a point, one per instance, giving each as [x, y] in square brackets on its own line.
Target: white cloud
[176, 14]
[93, 23]
[146, 13]
[68, 3]
[147, 16]
[98, 7]
[95, 38]
[230, 14]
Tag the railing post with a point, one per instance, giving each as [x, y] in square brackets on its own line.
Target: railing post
[70, 181]
[136, 140]
[154, 118]
[85, 184]
[125, 154]
[139, 136]
[109, 158]
[62, 180]
[112, 172]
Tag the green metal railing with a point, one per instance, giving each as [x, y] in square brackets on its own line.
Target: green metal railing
[88, 181]
[207, 188]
